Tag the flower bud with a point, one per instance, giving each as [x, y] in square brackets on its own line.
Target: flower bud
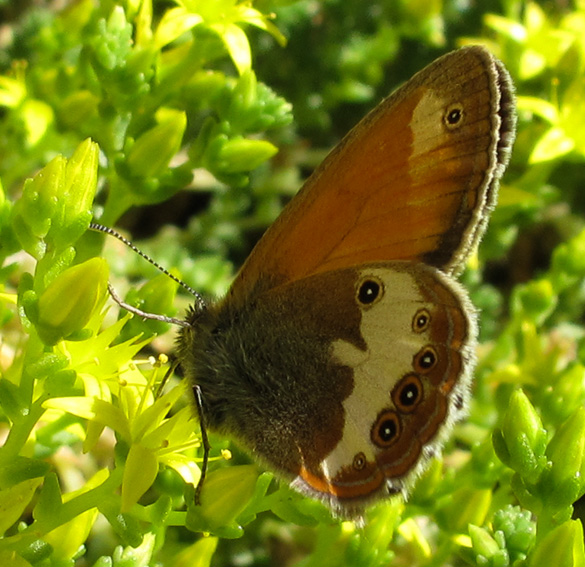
[521, 442]
[561, 547]
[564, 481]
[241, 154]
[151, 153]
[68, 303]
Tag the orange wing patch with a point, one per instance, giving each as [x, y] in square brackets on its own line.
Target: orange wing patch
[412, 181]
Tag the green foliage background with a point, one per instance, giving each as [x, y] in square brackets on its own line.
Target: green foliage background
[161, 118]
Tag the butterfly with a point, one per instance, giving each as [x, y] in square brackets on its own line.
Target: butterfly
[344, 350]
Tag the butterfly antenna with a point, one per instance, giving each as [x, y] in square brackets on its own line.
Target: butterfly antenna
[199, 299]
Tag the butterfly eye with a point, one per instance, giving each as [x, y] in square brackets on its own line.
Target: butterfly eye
[421, 321]
[359, 461]
[425, 359]
[369, 291]
[386, 429]
[453, 116]
[408, 393]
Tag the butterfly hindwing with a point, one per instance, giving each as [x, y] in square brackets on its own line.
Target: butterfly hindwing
[348, 406]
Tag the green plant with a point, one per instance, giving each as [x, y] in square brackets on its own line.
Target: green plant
[147, 99]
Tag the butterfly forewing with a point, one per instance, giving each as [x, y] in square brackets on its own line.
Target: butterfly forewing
[413, 181]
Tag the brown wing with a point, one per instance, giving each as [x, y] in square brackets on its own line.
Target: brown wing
[415, 179]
